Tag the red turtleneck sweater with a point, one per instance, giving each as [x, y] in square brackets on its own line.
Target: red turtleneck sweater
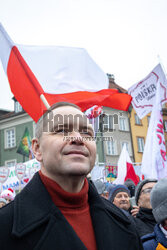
[75, 208]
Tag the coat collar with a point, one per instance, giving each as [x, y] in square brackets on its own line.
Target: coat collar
[33, 207]
[160, 235]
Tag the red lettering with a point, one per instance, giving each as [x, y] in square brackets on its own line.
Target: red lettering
[160, 139]
[160, 130]
[163, 154]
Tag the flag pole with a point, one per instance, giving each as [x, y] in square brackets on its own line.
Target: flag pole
[45, 102]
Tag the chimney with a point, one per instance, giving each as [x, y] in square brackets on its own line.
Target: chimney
[111, 80]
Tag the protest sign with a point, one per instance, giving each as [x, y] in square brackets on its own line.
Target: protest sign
[143, 93]
[4, 173]
[12, 180]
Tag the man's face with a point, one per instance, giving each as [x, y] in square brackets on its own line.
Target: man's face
[73, 155]
[121, 200]
[144, 198]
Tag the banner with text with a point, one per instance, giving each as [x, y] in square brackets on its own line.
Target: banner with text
[12, 181]
[143, 92]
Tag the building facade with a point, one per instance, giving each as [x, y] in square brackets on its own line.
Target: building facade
[139, 128]
[12, 128]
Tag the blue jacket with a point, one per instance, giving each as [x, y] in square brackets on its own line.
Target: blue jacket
[150, 241]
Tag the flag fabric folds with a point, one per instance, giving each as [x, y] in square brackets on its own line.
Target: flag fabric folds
[125, 168]
[40, 76]
[154, 162]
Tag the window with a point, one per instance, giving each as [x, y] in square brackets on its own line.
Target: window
[18, 107]
[123, 123]
[140, 143]
[126, 144]
[108, 123]
[10, 163]
[148, 120]
[137, 120]
[165, 126]
[111, 147]
[10, 138]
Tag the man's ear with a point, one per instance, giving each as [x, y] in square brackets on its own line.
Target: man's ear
[36, 149]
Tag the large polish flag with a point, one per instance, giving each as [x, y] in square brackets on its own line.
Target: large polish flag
[40, 76]
[154, 161]
[125, 168]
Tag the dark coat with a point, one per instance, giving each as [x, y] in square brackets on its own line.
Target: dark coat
[150, 241]
[145, 221]
[32, 221]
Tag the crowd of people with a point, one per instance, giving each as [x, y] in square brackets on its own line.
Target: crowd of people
[144, 204]
[60, 208]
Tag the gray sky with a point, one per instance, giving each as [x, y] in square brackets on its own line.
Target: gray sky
[124, 37]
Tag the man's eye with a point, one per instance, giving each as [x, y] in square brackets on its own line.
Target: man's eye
[86, 133]
[61, 131]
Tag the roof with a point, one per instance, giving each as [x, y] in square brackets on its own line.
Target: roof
[4, 111]
[10, 114]
[113, 85]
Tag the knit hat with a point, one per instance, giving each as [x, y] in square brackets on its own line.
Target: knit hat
[131, 186]
[159, 200]
[117, 189]
[100, 186]
[8, 194]
[139, 188]
[3, 200]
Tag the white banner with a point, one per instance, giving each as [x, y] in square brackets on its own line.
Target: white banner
[154, 162]
[143, 93]
[98, 173]
[12, 181]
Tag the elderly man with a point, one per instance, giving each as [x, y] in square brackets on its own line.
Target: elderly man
[158, 239]
[144, 219]
[119, 196]
[59, 208]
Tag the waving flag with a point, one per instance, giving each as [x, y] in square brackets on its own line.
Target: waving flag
[40, 76]
[25, 144]
[154, 162]
[143, 93]
[125, 168]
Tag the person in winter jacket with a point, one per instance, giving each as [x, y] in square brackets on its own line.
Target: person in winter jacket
[158, 239]
[60, 209]
[120, 197]
[144, 219]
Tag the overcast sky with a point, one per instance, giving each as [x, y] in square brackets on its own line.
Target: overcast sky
[125, 37]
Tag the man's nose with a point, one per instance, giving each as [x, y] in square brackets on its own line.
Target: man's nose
[76, 138]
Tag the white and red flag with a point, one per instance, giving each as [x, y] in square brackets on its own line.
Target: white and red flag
[125, 168]
[143, 93]
[154, 162]
[40, 76]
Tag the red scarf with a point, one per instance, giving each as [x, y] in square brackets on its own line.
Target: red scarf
[75, 208]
